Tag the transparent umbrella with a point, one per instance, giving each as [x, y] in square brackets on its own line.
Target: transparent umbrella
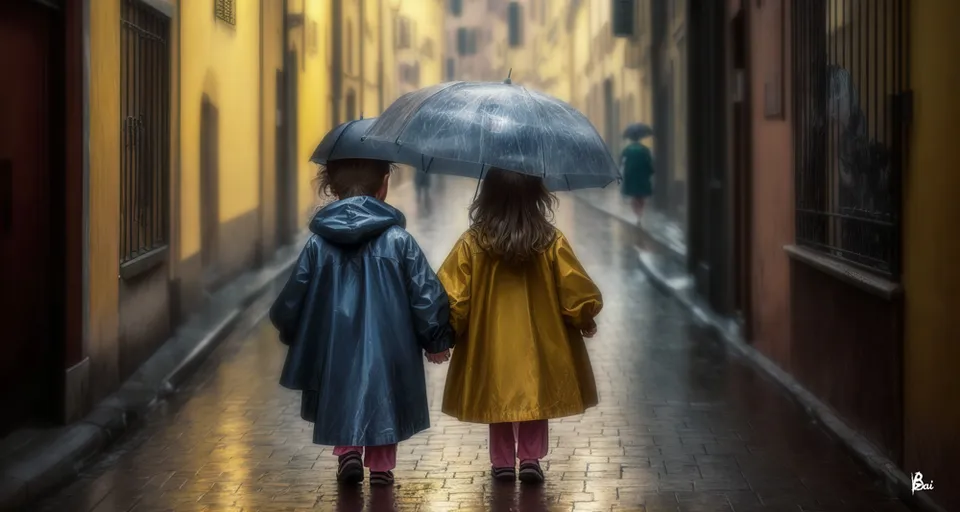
[466, 128]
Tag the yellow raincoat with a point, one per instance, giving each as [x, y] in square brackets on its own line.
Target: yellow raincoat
[519, 353]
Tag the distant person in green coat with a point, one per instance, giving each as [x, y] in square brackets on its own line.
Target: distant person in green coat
[636, 164]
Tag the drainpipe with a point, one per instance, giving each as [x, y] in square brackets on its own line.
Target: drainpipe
[380, 54]
[336, 86]
[362, 33]
[259, 250]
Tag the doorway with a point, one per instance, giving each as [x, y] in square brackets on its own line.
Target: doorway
[742, 191]
[209, 188]
[608, 113]
[29, 295]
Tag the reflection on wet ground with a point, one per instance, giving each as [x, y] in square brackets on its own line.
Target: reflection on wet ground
[681, 426]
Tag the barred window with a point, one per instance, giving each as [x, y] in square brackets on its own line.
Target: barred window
[851, 103]
[226, 10]
[144, 131]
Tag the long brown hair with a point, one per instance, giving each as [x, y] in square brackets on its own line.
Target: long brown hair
[512, 215]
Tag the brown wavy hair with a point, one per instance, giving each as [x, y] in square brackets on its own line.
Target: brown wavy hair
[512, 215]
[351, 177]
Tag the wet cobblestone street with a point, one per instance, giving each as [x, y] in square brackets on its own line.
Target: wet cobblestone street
[681, 426]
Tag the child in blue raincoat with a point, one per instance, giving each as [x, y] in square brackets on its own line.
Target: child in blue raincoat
[358, 312]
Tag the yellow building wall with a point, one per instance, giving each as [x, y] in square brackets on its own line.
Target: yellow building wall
[104, 200]
[221, 61]
[313, 94]
[428, 16]
[931, 275]
[371, 35]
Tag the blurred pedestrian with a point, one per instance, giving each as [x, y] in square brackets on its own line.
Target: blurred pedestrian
[520, 304]
[422, 182]
[636, 162]
[360, 308]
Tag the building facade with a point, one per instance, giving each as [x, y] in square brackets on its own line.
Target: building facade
[158, 150]
[832, 212]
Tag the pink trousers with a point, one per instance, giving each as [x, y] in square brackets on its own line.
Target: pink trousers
[525, 440]
[377, 458]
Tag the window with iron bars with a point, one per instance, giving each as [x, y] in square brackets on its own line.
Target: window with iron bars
[144, 131]
[226, 10]
[851, 102]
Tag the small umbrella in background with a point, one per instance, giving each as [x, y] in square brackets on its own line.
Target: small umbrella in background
[638, 131]
[466, 128]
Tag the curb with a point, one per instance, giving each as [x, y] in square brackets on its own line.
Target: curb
[897, 482]
[58, 456]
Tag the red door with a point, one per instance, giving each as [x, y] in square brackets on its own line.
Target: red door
[27, 355]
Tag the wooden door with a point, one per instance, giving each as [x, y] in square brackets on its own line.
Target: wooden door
[28, 355]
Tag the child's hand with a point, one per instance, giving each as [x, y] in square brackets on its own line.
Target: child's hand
[589, 332]
[439, 357]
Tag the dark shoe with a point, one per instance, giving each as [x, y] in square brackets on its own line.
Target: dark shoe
[350, 468]
[531, 473]
[381, 478]
[504, 474]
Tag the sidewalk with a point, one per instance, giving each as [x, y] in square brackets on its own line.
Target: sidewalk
[659, 261]
[33, 462]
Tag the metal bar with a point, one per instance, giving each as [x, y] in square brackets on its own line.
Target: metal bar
[150, 108]
[124, 140]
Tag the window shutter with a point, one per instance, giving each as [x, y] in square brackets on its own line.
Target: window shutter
[515, 18]
[461, 41]
[624, 18]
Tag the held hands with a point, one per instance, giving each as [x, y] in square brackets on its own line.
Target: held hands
[590, 331]
[439, 357]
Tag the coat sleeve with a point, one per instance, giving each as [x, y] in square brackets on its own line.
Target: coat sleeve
[646, 162]
[428, 302]
[580, 299]
[285, 311]
[455, 276]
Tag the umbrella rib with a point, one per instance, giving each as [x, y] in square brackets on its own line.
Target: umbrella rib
[537, 106]
[334, 145]
[420, 106]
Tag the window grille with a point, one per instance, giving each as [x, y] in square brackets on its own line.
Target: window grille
[851, 102]
[144, 130]
[226, 10]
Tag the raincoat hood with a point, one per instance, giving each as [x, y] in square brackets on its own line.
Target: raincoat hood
[355, 220]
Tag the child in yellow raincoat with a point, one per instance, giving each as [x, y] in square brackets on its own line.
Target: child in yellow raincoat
[520, 304]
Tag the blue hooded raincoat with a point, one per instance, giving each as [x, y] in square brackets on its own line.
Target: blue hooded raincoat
[358, 311]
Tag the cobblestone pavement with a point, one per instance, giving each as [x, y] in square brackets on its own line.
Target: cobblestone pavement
[681, 425]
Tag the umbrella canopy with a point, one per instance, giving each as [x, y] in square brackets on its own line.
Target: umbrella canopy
[346, 141]
[637, 131]
[466, 128]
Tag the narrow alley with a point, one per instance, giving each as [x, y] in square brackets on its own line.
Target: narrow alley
[681, 425]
